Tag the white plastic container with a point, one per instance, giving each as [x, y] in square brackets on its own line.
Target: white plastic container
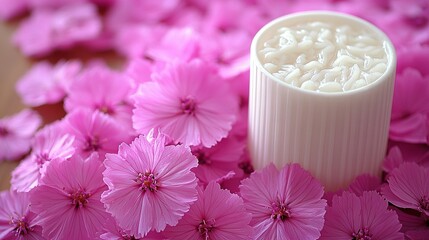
[335, 135]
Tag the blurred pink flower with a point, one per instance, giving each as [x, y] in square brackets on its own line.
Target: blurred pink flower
[16, 132]
[46, 30]
[364, 217]
[94, 132]
[410, 109]
[284, 204]
[409, 187]
[187, 101]
[102, 89]
[16, 220]
[45, 83]
[217, 214]
[364, 183]
[12, 8]
[67, 201]
[414, 226]
[216, 162]
[48, 144]
[112, 230]
[150, 185]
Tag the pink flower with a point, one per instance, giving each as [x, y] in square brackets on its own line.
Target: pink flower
[67, 200]
[111, 230]
[284, 204]
[216, 162]
[217, 214]
[16, 132]
[94, 132]
[150, 185]
[45, 84]
[16, 220]
[188, 102]
[414, 226]
[410, 109]
[48, 144]
[364, 183]
[409, 187]
[99, 88]
[364, 217]
[12, 8]
[46, 30]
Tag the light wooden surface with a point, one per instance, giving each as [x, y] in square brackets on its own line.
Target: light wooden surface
[12, 66]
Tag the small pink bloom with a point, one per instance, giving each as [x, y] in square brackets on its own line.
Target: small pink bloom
[12, 8]
[217, 214]
[150, 185]
[216, 162]
[187, 101]
[45, 84]
[16, 132]
[16, 220]
[48, 144]
[94, 132]
[364, 217]
[67, 201]
[409, 187]
[364, 183]
[101, 89]
[285, 204]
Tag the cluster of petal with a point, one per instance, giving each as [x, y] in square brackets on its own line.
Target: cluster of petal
[189, 102]
[217, 214]
[284, 204]
[49, 143]
[150, 184]
[45, 84]
[364, 217]
[16, 132]
[409, 187]
[67, 200]
[16, 220]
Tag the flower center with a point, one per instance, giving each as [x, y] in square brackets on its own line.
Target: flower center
[188, 105]
[362, 234]
[280, 211]
[3, 131]
[246, 167]
[105, 109]
[79, 198]
[147, 181]
[92, 144]
[205, 227]
[21, 226]
[42, 158]
[203, 159]
[424, 203]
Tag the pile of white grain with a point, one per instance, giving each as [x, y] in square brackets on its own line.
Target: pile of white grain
[319, 56]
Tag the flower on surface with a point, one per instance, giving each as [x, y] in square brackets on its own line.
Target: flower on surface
[409, 187]
[16, 132]
[150, 184]
[217, 214]
[285, 204]
[216, 162]
[45, 83]
[94, 132]
[67, 200]
[364, 217]
[16, 220]
[89, 91]
[49, 143]
[187, 101]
